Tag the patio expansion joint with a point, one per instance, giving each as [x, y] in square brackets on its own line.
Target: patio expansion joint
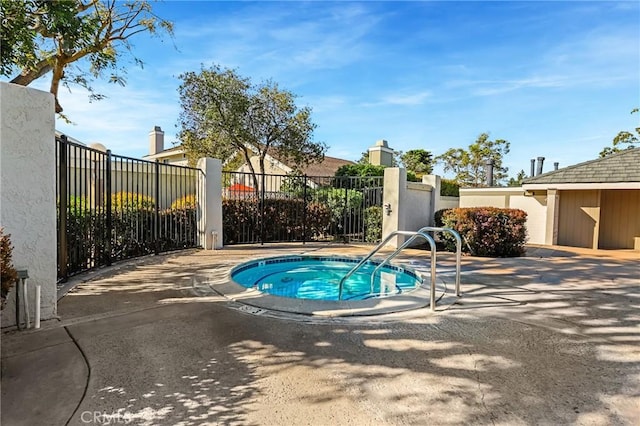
[86, 385]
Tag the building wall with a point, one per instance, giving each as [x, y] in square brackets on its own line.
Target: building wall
[513, 198]
[27, 191]
[579, 217]
[619, 218]
[272, 184]
[137, 177]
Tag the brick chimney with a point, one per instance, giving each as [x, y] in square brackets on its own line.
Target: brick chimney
[156, 140]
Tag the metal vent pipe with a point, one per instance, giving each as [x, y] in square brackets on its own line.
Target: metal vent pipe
[490, 164]
[540, 165]
[533, 167]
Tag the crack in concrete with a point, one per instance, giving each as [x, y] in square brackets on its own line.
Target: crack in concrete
[484, 405]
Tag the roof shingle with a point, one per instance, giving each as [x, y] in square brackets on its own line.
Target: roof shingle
[623, 166]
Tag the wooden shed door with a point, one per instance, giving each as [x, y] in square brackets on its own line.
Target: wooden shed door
[620, 218]
[579, 217]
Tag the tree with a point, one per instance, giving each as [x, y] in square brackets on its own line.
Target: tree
[623, 137]
[39, 37]
[518, 179]
[224, 114]
[360, 169]
[418, 161]
[469, 165]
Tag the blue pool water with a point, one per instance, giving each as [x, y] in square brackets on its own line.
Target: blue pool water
[318, 278]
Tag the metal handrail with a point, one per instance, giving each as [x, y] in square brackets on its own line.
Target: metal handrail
[363, 261]
[458, 250]
[427, 237]
[432, 245]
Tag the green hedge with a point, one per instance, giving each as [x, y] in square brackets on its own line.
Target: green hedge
[285, 220]
[373, 224]
[132, 231]
[449, 188]
[485, 231]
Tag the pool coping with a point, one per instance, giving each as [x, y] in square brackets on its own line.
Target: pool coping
[406, 301]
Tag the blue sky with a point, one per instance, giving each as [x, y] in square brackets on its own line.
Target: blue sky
[556, 79]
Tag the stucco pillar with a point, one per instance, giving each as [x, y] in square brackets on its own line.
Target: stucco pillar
[393, 218]
[210, 203]
[28, 192]
[435, 182]
[553, 210]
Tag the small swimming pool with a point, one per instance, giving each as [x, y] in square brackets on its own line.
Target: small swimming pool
[318, 278]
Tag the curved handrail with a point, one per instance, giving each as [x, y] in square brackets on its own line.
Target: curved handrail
[456, 235]
[432, 245]
[363, 261]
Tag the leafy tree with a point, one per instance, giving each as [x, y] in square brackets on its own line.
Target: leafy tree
[39, 37]
[360, 169]
[364, 158]
[469, 165]
[518, 179]
[224, 114]
[418, 161]
[449, 188]
[623, 138]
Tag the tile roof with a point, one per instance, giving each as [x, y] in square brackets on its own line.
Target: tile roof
[327, 168]
[623, 166]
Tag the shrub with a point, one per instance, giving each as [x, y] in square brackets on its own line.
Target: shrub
[343, 205]
[131, 201]
[8, 274]
[485, 231]
[185, 202]
[373, 224]
[449, 188]
[284, 219]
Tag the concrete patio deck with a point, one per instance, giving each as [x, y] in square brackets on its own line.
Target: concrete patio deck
[550, 338]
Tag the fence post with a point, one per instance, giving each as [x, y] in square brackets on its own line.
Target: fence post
[344, 210]
[63, 253]
[108, 207]
[156, 218]
[304, 211]
[262, 216]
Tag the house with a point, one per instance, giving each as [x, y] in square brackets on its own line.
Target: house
[273, 166]
[175, 155]
[595, 204]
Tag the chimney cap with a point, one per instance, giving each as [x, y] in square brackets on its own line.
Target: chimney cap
[156, 129]
[382, 143]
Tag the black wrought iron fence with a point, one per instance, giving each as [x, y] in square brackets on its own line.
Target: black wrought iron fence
[278, 208]
[112, 207]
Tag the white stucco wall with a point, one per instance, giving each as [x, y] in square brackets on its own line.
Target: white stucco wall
[417, 206]
[513, 198]
[27, 191]
[448, 203]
